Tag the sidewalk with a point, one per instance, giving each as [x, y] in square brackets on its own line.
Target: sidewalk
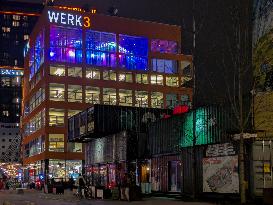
[33, 197]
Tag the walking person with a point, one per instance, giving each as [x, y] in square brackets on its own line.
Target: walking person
[80, 183]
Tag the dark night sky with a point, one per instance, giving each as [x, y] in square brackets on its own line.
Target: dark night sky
[215, 35]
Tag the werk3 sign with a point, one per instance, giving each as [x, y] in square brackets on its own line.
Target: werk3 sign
[64, 18]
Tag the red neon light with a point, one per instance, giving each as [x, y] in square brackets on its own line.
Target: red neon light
[18, 13]
[180, 109]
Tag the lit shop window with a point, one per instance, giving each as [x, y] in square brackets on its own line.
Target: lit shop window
[172, 81]
[74, 72]
[163, 46]
[142, 78]
[101, 48]
[125, 77]
[133, 52]
[92, 95]
[74, 147]
[56, 117]
[157, 100]
[65, 44]
[125, 97]
[109, 96]
[58, 70]
[56, 142]
[109, 75]
[70, 113]
[164, 66]
[56, 92]
[92, 73]
[141, 98]
[74, 93]
[157, 79]
[171, 100]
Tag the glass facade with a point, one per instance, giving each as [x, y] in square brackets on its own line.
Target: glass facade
[141, 98]
[157, 100]
[164, 66]
[109, 75]
[74, 93]
[56, 92]
[92, 95]
[56, 142]
[125, 97]
[65, 44]
[109, 96]
[58, 70]
[92, 73]
[101, 48]
[164, 46]
[36, 58]
[157, 79]
[56, 117]
[133, 52]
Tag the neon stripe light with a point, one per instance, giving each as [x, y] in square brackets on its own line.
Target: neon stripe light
[19, 13]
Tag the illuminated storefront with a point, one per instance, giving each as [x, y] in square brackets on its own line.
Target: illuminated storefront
[75, 59]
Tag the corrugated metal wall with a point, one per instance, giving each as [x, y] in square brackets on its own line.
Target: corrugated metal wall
[164, 136]
[187, 156]
[159, 172]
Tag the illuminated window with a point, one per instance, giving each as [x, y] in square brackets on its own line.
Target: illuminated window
[172, 81]
[163, 46]
[5, 113]
[185, 100]
[171, 100]
[16, 17]
[92, 73]
[186, 68]
[56, 92]
[65, 44]
[164, 66]
[58, 70]
[125, 97]
[92, 95]
[125, 77]
[6, 29]
[101, 48]
[157, 79]
[141, 98]
[157, 100]
[109, 75]
[133, 52]
[142, 78]
[56, 142]
[109, 96]
[75, 71]
[5, 81]
[56, 117]
[70, 113]
[74, 93]
[15, 23]
[26, 37]
[74, 147]
[37, 54]
[186, 82]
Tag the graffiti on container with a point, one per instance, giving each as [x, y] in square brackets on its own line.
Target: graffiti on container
[220, 174]
[217, 150]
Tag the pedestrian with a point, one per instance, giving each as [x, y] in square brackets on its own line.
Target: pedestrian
[81, 183]
[71, 183]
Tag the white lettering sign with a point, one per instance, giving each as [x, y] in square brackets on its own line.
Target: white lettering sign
[68, 19]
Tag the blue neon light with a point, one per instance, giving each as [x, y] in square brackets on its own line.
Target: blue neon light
[11, 72]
